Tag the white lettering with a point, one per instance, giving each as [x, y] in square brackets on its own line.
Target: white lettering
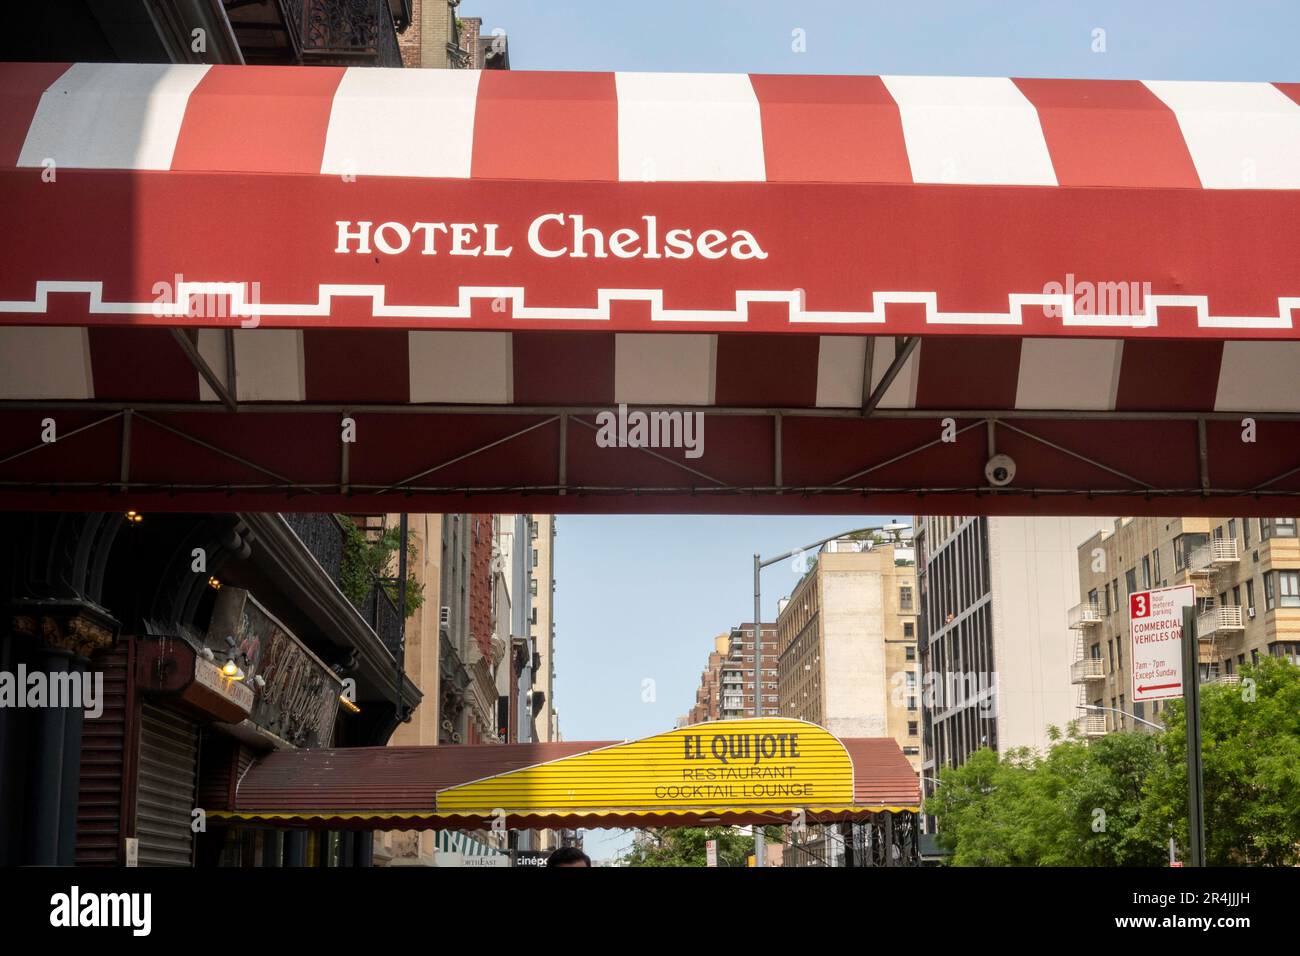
[361, 235]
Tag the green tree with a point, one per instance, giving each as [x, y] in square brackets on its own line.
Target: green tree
[1077, 805]
[685, 846]
[1116, 800]
[1250, 754]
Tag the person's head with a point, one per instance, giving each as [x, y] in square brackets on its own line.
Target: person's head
[568, 856]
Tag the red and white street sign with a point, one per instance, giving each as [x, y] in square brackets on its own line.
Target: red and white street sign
[1156, 626]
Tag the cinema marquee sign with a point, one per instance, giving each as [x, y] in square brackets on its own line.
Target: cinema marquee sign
[722, 764]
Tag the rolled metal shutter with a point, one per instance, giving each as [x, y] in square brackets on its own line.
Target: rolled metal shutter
[165, 783]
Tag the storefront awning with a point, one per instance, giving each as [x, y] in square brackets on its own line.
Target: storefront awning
[731, 772]
[488, 259]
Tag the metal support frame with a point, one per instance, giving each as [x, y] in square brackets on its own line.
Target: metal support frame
[904, 346]
[345, 461]
[134, 413]
[188, 340]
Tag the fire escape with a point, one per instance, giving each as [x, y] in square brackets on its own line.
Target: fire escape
[1087, 670]
[319, 32]
[1210, 568]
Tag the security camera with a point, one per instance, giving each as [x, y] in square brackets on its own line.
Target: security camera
[1000, 470]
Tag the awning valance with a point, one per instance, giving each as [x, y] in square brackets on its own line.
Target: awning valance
[423, 199]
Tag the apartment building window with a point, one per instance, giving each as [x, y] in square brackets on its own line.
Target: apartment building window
[905, 598]
[1110, 653]
[910, 653]
[1095, 651]
[532, 586]
[1092, 597]
[1185, 545]
[1109, 609]
[532, 529]
[1245, 531]
[1114, 587]
[1146, 572]
[534, 559]
[1155, 563]
[1276, 528]
[1232, 528]
[1236, 595]
[1131, 580]
[1250, 593]
[1270, 597]
[1119, 650]
[909, 629]
[1288, 588]
[911, 703]
[911, 728]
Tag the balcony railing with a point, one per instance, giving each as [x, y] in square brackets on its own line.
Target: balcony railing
[1230, 679]
[1092, 725]
[1090, 668]
[1087, 614]
[324, 537]
[1208, 557]
[348, 32]
[1220, 620]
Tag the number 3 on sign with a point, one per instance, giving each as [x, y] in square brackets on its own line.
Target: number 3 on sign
[1141, 605]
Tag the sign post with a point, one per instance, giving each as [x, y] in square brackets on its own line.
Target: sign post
[1166, 664]
[1192, 706]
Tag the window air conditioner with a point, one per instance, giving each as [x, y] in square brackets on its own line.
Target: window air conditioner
[1250, 612]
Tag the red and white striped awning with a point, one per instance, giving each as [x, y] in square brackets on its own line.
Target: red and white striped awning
[516, 244]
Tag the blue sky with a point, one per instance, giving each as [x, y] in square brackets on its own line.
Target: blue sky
[1145, 39]
[640, 598]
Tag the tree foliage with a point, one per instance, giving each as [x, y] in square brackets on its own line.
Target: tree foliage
[369, 564]
[1116, 800]
[685, 846]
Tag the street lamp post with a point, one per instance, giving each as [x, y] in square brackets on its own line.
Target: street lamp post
[1116, 710]
[894, 529]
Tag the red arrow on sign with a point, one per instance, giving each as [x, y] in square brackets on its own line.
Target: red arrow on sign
[1157, 687]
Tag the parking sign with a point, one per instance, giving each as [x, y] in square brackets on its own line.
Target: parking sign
[1156, 627]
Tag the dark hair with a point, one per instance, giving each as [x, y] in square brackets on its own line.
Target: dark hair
[569, 855]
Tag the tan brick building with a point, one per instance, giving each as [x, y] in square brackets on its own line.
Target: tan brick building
[708, 696]
[1247, 577]
[847, 645]
[438, 39]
